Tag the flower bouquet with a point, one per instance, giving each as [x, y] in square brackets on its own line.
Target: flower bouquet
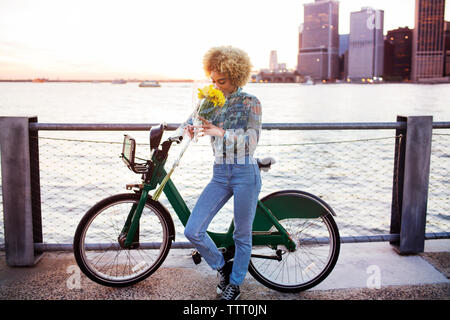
[210, 100]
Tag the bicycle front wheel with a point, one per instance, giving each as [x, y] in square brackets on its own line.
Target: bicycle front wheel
[316, 238]
[105, 260]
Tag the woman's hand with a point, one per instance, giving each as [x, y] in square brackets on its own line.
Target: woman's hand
[209, 129]
[189, 130]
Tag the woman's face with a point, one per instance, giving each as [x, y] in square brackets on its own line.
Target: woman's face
[222, 82]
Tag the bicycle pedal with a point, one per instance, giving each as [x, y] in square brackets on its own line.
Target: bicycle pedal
[197, 257]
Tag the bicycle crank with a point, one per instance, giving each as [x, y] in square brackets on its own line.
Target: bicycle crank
[277, 256]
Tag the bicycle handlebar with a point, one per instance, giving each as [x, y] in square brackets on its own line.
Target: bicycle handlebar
[156, 133]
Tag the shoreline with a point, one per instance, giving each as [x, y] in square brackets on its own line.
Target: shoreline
[432, 82]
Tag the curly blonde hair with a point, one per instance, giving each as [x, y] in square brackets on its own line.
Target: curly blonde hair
[233, 62]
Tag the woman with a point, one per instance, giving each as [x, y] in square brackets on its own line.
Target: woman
[234, 131]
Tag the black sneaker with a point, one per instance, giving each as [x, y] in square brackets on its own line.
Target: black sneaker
[231, 292]
[224, 276]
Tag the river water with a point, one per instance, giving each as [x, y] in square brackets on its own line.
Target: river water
[352, 170]
[128, 103]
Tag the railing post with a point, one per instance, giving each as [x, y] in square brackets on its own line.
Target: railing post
[20, 190]
[411, 178]
[399, 173]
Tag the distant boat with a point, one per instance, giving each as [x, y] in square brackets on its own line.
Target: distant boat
[151, 84]
[120, 81]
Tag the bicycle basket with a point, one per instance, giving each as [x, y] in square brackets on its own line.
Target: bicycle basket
[128, 151]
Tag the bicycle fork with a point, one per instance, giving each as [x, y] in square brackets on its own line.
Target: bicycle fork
[129, 236]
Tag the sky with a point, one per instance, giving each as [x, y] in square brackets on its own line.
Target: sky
[147, 39]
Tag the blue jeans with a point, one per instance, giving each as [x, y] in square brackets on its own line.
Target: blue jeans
[243, 181]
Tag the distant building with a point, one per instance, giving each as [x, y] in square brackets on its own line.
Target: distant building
[343, 43]
[366, 45]
[273, 63]
[428, 40]
[397, 55]
[277, 72]
[300, 35]
[319, 47]
[343, 56]
[447, 48]
[275, 77]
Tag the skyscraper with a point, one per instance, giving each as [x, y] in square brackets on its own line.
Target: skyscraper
[273, 63]
[319, 48]
[343, 56]
[428, 40]
[366, 44]
[397, 55]
[447, 49]
[300, 34]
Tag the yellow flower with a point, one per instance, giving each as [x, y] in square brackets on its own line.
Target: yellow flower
[201, 93]
[217, 97]
[214, 95]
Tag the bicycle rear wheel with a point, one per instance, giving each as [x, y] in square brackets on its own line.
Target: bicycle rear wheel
[104, 259]
[317, 244]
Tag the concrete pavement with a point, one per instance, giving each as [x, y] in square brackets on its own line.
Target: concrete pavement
[363, 271]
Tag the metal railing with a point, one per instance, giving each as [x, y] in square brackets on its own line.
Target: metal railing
[360, 169]
[35, 126]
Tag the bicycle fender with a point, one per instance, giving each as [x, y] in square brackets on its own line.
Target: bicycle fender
[290, 204]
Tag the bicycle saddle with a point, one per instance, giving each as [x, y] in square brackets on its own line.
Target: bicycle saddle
[265, 163]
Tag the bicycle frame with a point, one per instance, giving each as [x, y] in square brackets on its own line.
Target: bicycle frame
[264, 219]
[296, 241]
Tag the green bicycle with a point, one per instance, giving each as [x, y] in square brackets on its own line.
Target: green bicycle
[124, 238]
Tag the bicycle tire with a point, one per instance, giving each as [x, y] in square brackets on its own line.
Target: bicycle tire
[301, 269]
[98, 252]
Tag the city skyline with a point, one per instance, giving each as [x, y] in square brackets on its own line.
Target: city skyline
[104, 40]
